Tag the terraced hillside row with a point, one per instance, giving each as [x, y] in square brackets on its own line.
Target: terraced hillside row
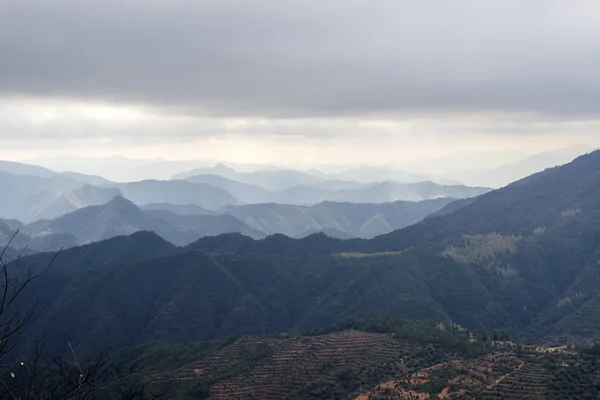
[370, 359]
[336, 365]
[275, 368]
[528, 381]
[455, 379]
[523, 373]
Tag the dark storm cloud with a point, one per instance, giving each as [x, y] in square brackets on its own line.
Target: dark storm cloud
[307, 58]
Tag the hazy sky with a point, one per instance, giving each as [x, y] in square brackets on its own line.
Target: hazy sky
[310, 81]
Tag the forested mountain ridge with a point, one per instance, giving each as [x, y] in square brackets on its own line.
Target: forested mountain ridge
[523, 258]
[532, 245]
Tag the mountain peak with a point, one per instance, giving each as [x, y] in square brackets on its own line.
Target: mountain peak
[121, 204]
[222, 168]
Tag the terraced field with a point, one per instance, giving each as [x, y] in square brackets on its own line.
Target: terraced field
[528, 381]
[275, 368]
[456, 379]
[371, 366]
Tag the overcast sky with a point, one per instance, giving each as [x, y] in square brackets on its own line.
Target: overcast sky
[310, 81]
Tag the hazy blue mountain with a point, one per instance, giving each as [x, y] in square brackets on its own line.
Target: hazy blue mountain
[188, 209]
[26, 196]
[29, 198]
[94, 223]
[61, 203]
[191, 227]
[122, 217]
[32, 192]
[394, 191]
[124, 169]
[301, 195]
[17, 168]
[336, 219]
[268, 179]
[502, 176]
[304, 194]
[8, 228]
[179, 192]
[87, 179]
[318, 191]
[244, 192]
[104, 253]
[333, 185]
[367, 174]
[446, 165]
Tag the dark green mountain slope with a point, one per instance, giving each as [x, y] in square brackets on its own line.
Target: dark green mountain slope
[102, 254]
[532, 245]
[194, 296]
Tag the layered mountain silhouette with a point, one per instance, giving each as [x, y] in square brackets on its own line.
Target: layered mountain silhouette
[523, 258]
[343, 220]
[244, 192]
[122, 217]
[48, 195]
[179, 192]
[313, 192]
[29, 198]
[271, 180]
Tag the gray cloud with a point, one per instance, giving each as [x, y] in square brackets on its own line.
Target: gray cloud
[307, 58]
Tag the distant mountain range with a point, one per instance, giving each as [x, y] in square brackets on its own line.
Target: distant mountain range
[184, 224]
[342, 220]
[34, 193]
[272, 180]
[523, 258]
[122, 217]
[394, 191]
[481, 168]
[29, 198]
